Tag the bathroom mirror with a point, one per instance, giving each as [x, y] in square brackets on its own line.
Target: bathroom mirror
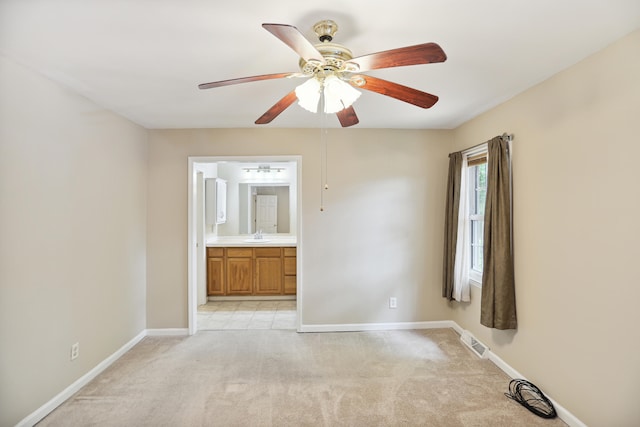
[265, 206]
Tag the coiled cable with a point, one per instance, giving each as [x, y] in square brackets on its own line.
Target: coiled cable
[530, 396]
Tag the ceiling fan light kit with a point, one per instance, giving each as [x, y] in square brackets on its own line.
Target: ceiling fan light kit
[332, 75]
[337, 94]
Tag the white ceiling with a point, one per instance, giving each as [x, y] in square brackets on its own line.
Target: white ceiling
[143, 59]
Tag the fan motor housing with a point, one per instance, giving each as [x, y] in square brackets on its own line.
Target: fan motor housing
[335, 56]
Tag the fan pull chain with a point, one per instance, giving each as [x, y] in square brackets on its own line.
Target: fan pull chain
[323, 153]
[325, 145]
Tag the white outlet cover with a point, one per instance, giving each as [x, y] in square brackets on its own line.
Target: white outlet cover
[75, 351]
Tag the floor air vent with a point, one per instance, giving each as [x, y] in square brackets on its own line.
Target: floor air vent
[476, 346]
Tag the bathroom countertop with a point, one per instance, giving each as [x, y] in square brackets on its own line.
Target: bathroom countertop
[268, 240]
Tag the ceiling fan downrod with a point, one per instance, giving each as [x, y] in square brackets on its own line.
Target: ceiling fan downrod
[325, 30]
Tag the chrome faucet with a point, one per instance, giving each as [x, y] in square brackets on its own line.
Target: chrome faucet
[258, 235]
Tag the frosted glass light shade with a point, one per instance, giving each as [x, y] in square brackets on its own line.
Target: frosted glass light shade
[308, 94]
[338, 94]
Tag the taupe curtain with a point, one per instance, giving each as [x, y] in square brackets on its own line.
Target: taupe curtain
[451, 223]
[498, 306]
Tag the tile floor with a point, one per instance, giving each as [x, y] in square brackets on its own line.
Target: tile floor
[272, 314]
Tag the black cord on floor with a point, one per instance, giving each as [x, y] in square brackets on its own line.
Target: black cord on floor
[530, 396]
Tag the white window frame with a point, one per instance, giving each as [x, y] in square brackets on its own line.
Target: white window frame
[475, 275]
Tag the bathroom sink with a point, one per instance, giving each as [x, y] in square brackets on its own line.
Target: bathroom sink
[257, 240]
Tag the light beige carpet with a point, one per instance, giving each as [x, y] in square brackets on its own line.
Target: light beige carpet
[282, 378]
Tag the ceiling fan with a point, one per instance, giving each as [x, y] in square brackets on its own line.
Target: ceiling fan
[334, 73]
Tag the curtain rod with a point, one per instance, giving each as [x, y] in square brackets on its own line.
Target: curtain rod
[505, 137]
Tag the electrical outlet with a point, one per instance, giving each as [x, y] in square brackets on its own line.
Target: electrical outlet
[393, 302]
[75, 351]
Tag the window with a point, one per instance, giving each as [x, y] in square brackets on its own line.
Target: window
[477, 169]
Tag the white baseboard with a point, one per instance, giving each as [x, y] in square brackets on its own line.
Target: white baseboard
[167, 332]
[566, 416]
[356, 327]
[65, 394]
[457, 328]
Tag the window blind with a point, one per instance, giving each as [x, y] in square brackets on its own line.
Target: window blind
[477, 159]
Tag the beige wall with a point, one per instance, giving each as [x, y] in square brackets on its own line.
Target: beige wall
[379, 236]
[576, 206]
[72, 237]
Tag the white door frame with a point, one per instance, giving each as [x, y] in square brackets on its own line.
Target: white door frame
[192, 259]
[200, 250]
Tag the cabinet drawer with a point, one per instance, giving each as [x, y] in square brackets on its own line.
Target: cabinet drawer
[215, 252]
[267, 252]
[289, 266]
[289, 251]
[290, 285]
[239, 252]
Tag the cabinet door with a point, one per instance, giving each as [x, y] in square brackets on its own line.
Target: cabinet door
[268, 276]
[239, 276]
[215, 276]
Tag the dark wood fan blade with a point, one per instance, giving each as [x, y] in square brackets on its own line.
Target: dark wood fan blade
[293, 38]
[425, 53]
[395, 90]
[278, 108]
[247, 80]
[347, 117]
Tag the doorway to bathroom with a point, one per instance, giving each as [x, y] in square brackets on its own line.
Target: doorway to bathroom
[261, 291]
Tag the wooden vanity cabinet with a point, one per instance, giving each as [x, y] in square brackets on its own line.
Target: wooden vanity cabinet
[251, 271]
